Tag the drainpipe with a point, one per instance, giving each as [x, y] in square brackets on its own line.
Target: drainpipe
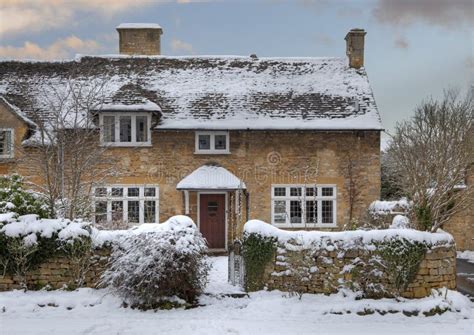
[247, 205]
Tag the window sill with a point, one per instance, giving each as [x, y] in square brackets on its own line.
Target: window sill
[126, 145]
[300, 225]
[212, 152]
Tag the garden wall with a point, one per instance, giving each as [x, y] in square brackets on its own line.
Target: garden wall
[379, 263]
[58, 272]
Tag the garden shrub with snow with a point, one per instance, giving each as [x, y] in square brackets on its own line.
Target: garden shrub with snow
[14, 198]
[151, 267]
[27, 241]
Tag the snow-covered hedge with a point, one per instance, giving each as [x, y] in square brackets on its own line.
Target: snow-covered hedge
[153, 264]
[27, 241]
[172, 253]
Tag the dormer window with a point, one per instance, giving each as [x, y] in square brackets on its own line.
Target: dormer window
[212, 142]
[6, 143]
[125, 129]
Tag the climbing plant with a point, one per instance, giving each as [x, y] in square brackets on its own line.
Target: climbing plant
[397, 258]
[258, 251]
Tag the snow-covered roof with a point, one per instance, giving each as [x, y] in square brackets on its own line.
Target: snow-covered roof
[146, 106]
[209, 177]
[15, 110]
[210, 92]
[138, 26]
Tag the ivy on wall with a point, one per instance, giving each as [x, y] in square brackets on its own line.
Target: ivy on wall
[397, 259]
[258, 251]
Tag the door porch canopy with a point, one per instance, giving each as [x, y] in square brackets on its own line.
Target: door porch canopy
[210, 177]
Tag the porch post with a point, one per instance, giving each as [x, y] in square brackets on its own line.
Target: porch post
[186, 202]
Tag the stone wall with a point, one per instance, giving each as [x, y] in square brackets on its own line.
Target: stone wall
[58, 272]
[327, 271]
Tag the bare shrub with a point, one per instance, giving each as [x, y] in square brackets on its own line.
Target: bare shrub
[431, 155]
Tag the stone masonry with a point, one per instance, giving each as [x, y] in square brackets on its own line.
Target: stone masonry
[58, 272]
[331, 270]
[260, 159]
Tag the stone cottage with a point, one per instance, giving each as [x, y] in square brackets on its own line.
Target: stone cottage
[291, 141]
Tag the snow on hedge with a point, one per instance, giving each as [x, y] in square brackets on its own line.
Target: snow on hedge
[389, 207]
[347, 238]
[30, 227]
[400, 222]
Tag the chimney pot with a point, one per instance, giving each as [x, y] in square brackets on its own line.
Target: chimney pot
[139, 38]
[355, 40]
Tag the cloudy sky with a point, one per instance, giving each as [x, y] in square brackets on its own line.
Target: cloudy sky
[414, 48]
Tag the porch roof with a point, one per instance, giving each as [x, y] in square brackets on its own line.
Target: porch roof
[210, 177]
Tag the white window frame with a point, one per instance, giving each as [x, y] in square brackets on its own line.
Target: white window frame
[303, 198]
[212, 150]
[117, 142]
[12, 141]
[125, 198]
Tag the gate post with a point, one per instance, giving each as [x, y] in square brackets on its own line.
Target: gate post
[236, 264]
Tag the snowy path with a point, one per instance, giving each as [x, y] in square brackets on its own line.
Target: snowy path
[218, 278]
[88, 311]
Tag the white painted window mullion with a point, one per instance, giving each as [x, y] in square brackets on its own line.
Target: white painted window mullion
[133, 128]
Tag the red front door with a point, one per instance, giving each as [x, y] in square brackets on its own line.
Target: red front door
[212, 219]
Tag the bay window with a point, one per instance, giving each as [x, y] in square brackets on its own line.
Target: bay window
[304, 205]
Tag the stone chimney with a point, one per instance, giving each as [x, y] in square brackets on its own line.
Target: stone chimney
[139, 38]
[355, 47]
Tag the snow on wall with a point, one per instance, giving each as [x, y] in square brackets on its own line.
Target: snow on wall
[346, 238]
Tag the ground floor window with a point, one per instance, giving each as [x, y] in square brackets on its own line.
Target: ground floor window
[126, 204]
[303, 205]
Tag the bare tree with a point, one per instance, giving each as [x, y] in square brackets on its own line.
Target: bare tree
[67, 155]
[430, 158]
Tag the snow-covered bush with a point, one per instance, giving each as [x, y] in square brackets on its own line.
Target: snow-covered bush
[14, 198]
[380, 213]
[149, 267]
[400, 222]
[27, 241]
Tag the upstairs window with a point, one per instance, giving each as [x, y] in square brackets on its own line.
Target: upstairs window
[304, 205]
[212, 142]
[120, 129]
[6, 143]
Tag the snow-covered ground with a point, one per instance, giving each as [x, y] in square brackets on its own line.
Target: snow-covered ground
[467, 255]
[89, 311]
